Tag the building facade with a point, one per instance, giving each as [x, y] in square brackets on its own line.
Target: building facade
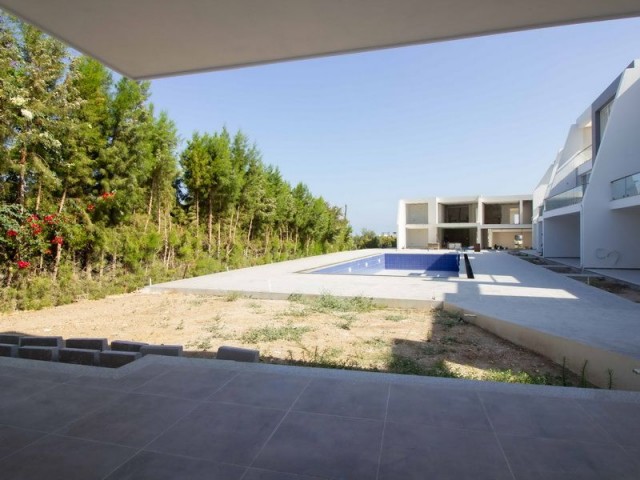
[440, 222]
[587, 204]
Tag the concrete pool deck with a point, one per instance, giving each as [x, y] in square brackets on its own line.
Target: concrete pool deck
[561, 318]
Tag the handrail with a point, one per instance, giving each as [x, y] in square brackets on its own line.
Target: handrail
[624, 187]
[564, 199]
[573, 158]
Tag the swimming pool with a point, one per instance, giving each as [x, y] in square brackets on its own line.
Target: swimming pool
[398, 264]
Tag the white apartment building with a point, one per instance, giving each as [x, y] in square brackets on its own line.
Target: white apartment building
[436, 222]
[587, 204]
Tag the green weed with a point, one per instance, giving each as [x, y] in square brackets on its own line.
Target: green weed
[273, 333]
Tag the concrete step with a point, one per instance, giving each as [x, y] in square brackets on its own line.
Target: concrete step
[87, 343]
[79, 356]
[11, 339]
[48, 354]
[115, 359]
[126, 346]
[41, 342]
[8, 350]
[166, 350]
[238, 354]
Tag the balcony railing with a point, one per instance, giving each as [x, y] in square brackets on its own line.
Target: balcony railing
[578, 158]
[566, 198]
[628, 186]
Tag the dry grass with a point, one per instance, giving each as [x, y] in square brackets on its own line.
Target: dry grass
[329, 332]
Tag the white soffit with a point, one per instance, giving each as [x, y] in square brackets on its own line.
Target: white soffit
[154, 38]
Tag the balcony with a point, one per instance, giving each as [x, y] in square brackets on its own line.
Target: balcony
[624, 187]
[565, 199]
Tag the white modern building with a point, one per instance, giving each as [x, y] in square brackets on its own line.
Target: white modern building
[437, 222]
[587, 205]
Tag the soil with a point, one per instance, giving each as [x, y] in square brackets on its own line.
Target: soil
[290, 331]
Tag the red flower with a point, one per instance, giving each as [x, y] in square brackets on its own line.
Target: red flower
[108, 195]
[12, 233]
[50, 219]
[36, 229]
[91, 207]
[57, 240]
[32, 218]
[22, 264]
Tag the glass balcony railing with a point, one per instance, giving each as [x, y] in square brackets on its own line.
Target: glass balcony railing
[564, 199]
[628, 186]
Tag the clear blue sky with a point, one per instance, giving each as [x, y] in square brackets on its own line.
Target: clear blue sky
[477, 116]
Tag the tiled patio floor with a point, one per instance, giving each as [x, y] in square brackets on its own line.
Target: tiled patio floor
[170, 418]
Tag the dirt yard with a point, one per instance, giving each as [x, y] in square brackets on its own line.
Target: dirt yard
[327, 332]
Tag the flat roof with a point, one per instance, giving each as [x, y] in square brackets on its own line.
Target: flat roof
[153, 38]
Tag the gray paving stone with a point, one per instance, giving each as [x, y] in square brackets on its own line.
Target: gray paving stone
[157, 466]
[260, 474]
[341, 397]
[220, 432]
[436, 406]
[10, 338]
[125, 383]
[541, 458]
[535, 416]
[324, 446]
[133, 420]
[262, 390]
[79, 356]
[621, 420]
[41, 342]
[126, 346]
[191, 383]
[8, 350]
[238, 354]
[61, 458]
[13, 439]
[16, 388]
[417, 452]
[166, 350]
[55, 407]
[87, 343]
[47, 354]
[116, 359]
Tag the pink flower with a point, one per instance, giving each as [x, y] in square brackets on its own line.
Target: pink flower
[22, 264]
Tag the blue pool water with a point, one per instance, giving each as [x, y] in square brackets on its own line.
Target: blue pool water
[403, 264]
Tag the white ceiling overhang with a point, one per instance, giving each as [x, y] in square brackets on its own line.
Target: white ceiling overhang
[154, 38]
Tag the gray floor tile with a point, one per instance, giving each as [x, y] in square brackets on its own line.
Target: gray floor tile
[431, 405]
[260, 474]
[124, 383]
[341, 397]
[134, 420]
[158, 466]
[16, 387]
[424, 452]
[262, 390]
[544, 417]
[54, 408]
[549, 459]
[220, 432]
[36, 374]
[620, 420]
[13, 439]
[60, 458]
[190, 383]
[325, 446]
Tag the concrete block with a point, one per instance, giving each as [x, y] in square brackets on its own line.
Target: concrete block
[238, 354]
[41, 342]
[124, 346]
[80, 356]
[8, 350]
[49, 354]
[10, 339]
[117, 359]
[167, 350]
[87, 343]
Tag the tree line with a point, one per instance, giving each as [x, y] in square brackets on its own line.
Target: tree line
[93, 182]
